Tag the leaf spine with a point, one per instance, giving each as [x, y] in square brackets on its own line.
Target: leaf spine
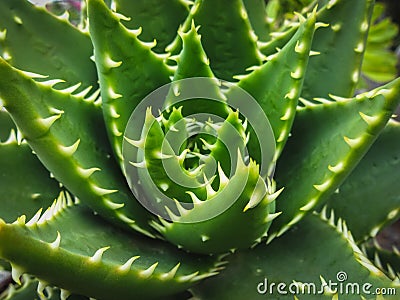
[52, 82]
[101, 191]
[16, 273]
[149, 271]
[127, 266]
[96, 258]
[171, 274]
[49, 121]
[113, 205]
[353, 143]
[69, 150]
[310, 205]
[110, 63]
[112, 94]
[337, 168]
[187, 278]
[86, 173]
[64, 294]
[323, 186]
[272, 217]
[35, 218]
[370, 120]
[57, 241]
[71, 89]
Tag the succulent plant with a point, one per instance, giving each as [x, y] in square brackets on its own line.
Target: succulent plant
[170, 149]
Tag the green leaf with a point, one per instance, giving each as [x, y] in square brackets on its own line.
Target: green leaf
[327, 142]
[127, 68]
[336, 70]
[316, 250]
[25, 184]
[256, 13]
[159, 20]
[6, 125]
[28, 290]
[388, 260]
[111, 263]
[278, 95]
[67, 133]
[34, 40]
[372, 184]
[236, 49]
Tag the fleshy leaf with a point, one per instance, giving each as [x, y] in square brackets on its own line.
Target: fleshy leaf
[316, 252]
[127, 68]
[25, 184]
[336, 70]
[159, 19]
[256, 13]
[231, 53]
[388, 260]
[193, 62]
[111, 263]
[29, 290]
[31, 40]
[6, 125]
[327, 142]
[244, 198]
[372, 184]
[67, 133]
[278, 95]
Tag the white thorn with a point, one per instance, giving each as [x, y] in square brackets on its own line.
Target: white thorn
[271, 217]
[127, 266]
[16, 273]
[337, 168]
[310, 205]
[137, 144]
[48, 122]
[186, 278]
[51, 82]
[324, 186]
[101, 192]
[149, 271]
[140, 165]
[223, 179]
[339, 99]
[40, 288]
[195, 199]
[71, 89]
[20, 220]
[69, 150]
[110, 63]
[121, 17]
[35, 218]
[96, 258]
[86, 173]
[124, 218]
[64, 294]
[56, 243]
[260, 190]
[353, 143]
[370, 120]
[113, 205]
[171, 274]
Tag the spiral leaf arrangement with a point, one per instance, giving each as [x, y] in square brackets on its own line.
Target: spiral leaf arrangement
[176, 149]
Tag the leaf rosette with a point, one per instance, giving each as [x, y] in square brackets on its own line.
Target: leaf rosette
[191, 167]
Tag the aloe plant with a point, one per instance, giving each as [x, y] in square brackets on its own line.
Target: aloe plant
[161, 150]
